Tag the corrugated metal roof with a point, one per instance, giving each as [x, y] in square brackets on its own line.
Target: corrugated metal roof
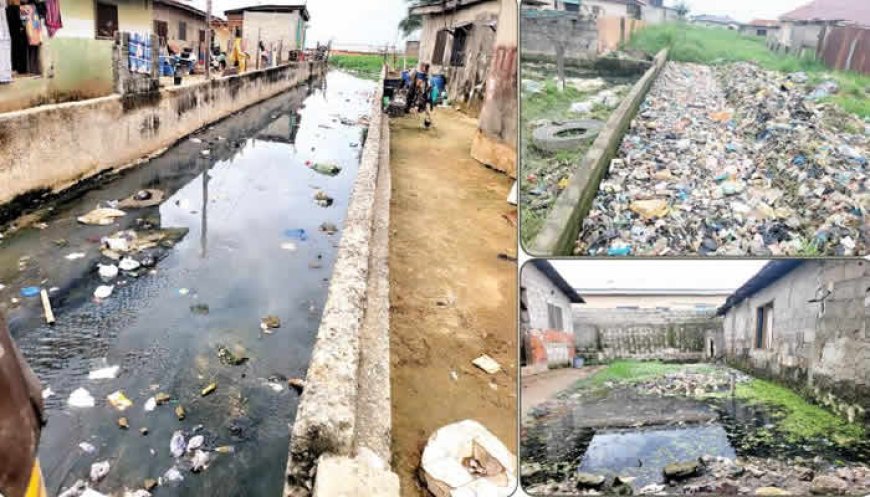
[856, 11]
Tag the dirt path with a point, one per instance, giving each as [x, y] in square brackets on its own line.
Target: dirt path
[452, 298]
[539, 388]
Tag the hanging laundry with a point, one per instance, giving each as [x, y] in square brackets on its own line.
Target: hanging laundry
[5, 46]
[53, 21]
[32, 24]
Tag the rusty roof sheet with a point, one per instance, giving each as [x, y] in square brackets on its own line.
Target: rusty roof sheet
[856, 11]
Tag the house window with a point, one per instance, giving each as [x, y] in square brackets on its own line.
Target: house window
[161, 29]
[440, 45]
[633, 11]
[763, 326]
[761, 32]
[107, 20]
[460, 40]
[182, 30]
[554, 317]
[572, 7]
[202, 36]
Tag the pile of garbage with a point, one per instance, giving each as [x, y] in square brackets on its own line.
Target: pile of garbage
[692, 384]
[736, 161]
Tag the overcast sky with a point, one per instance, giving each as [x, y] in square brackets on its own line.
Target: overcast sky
[658, 274]
[347, 22]
[742, 10]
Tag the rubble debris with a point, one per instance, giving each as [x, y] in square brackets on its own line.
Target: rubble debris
[195, 442]
[199, 461]
[681, 471]
[487, 364]
[124, 423]
[149, 484]
[162, 398]
[180, 413]
[171, 475]
[101, 216]
[444, 473]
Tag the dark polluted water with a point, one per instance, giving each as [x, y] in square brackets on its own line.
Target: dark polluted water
[235, 265]
[611, 434]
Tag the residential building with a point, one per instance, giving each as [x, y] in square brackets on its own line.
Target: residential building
[178, 26]
[804, 29]
[412, 48]
[75, 61]
[805, 323]
[715, 21]
[495, 143]
[457, 39]
[762, 28]
[279, 28]
[546, 323]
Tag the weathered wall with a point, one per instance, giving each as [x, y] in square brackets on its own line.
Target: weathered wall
[464, 84]
[277, 30]
[543, 31]
[111, 132]
[495, 143]
[548, 349]
[646, 334]
[801, 39]
[344, 409]
[846, 48]
[612, 31]
[172, 16]
[539, 292]
[823, 349]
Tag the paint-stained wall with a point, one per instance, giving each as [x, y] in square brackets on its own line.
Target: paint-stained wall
[822, 347]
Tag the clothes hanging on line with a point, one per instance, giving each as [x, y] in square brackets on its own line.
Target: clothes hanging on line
[32, 24]
[5, 46]
[53, 21]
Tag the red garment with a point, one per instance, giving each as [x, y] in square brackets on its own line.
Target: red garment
[53, 22]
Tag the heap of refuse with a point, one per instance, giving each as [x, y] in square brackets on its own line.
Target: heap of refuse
[735, 160]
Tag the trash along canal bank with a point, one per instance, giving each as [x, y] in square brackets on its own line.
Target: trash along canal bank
[657, 429]
[734, 160]
[184, 326]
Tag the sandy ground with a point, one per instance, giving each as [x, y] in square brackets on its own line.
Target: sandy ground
[452, 298]
[539, 388]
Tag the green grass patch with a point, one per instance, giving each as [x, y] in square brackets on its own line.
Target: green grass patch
[367, 66]
[627, 371]
[801, 419]
[714, 46]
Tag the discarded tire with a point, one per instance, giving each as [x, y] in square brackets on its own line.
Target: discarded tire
[566, 136]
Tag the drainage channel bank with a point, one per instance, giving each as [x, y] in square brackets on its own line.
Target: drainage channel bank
[340, 443]
[562, 225]
[187, 323]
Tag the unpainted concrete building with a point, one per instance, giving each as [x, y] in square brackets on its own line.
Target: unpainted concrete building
[805, 323]
[804, 28]
[280, 28]
[546, 324]
[457, 39]
[178, 26]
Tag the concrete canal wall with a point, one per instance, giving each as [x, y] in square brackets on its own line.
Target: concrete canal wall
[648, 334]
[49, 148]
[340, 440]
[563, 224]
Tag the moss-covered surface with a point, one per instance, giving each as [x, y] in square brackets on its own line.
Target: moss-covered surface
[629, 371]
[801, 420]
[365, 66]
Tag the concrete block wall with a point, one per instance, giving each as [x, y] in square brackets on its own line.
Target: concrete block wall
[540, 291]
[647, 334]
[821, 348]
[541, 34]
[114, 132]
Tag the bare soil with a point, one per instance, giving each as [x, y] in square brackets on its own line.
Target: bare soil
[539, 388]
[452, 297]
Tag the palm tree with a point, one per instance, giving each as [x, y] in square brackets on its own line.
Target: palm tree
[682, 9]
[409, 24]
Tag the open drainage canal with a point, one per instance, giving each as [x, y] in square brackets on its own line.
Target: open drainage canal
[248, 241]
[629, 432]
